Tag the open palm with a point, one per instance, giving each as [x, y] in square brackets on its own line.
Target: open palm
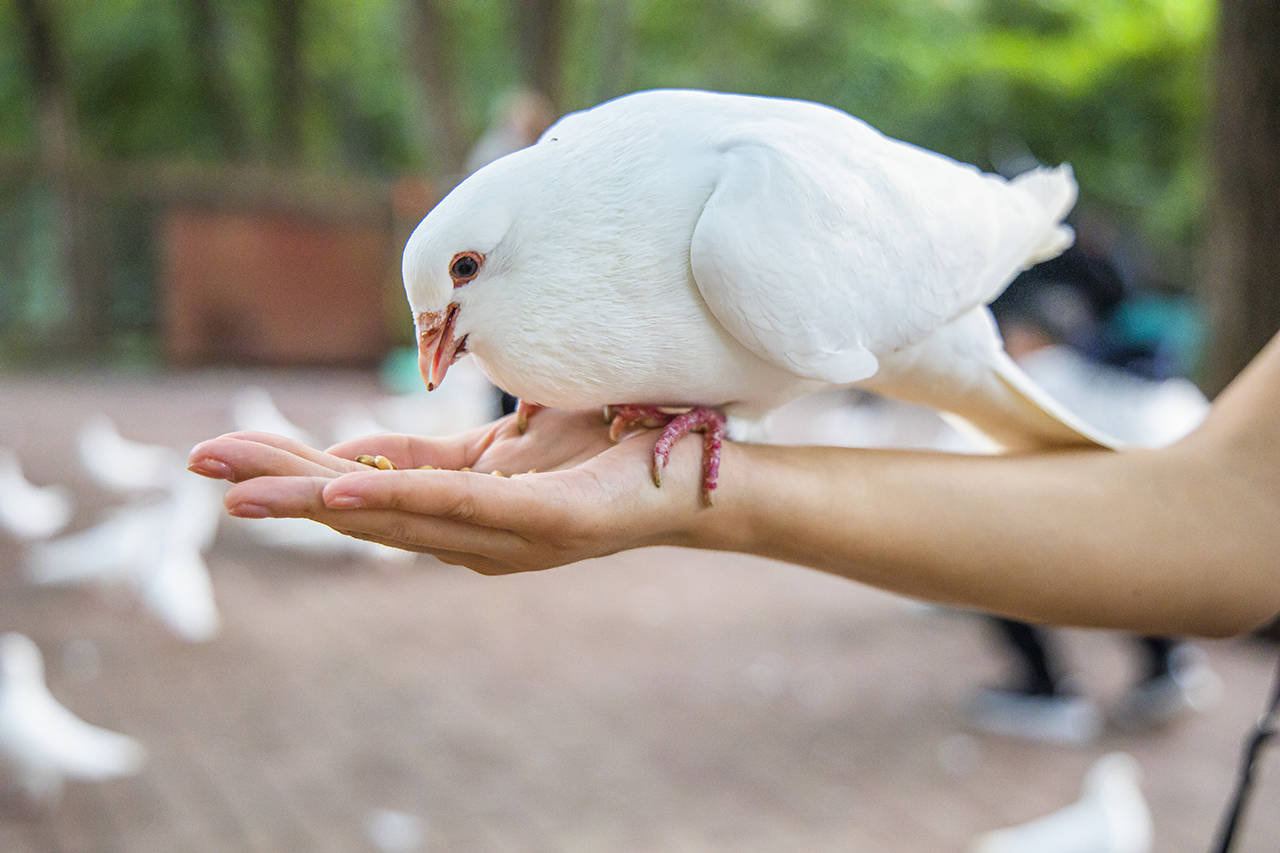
[566, 492]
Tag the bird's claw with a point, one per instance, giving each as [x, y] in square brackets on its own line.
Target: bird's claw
[676, 424]
[523, 411]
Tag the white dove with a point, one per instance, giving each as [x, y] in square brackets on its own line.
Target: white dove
[354, 421]
[28, 511]
[304, 536]
[108, 552]
[154, 548]
[41, 742]
[121, 464]
[1111, 816]
[253, 409]
[1134, 409]
[695, 249]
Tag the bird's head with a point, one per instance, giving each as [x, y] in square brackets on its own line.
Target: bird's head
[20, 661]
[451, 265]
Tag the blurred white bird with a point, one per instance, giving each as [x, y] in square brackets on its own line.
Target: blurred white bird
[28, 511]
[391, 831]
[253, 409]
[354, 421]
[154, 548]
[1111, 816]
[304, 536]
[120, 464]
[682, 248]
[108, 552]
[175, 586]
[468, 401]
[41, 742]
[1134, 409]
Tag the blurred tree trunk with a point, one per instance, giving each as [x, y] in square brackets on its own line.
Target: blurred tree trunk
[540, 28]
[429, 46]
[213, 77]
[286, 80]
[59, 154]
[1242, 277]
[617, 59]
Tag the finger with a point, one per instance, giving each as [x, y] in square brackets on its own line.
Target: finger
[300, 497]
[502, 503]
[476, 562]
[242, 456]
[209, 448]
[414, 451]
[409, 451]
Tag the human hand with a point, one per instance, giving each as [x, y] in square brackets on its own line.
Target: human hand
[585, 496]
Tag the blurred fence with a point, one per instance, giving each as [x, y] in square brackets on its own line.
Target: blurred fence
[195, 263]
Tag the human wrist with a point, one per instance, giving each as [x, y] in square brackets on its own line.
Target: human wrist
[729, 523]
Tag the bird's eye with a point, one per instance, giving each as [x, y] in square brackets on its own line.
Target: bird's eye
[464, 267]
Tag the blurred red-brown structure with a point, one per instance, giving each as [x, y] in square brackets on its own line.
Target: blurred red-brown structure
[272, 288]
[246, 278]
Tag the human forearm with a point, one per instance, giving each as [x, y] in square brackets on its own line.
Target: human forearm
[1162, 541]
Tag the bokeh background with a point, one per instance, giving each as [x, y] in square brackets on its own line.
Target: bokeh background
[204, 197]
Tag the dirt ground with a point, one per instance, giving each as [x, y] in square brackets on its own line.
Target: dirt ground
[658, 700]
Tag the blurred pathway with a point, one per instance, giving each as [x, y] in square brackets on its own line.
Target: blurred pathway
[660, 700]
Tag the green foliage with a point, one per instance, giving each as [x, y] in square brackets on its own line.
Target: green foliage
[1117, 87]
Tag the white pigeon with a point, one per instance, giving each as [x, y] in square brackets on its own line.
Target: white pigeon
[303, 536]
[391, 831]
[153, 548]
[469, 401]
[354, 421]
[28, 511]
[253, 409]
[1134, 409]
[120, 464]
[41, 742]
[175, 586]
[108, 552]
[1111, 816]
[695, 249]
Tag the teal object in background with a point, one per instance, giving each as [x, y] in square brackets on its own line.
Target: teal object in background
[1173, 324]
[399, 371]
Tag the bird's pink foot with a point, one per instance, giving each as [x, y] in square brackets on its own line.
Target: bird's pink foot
[523, 411]
[676, 424]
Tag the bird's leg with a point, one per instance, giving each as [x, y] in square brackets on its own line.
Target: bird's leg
[676, 424]
[523, 411]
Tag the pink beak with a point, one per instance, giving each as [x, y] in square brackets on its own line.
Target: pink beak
[437, 347]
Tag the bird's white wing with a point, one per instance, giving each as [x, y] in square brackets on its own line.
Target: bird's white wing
[176, 587]
[28, 511]
[78, 749]
[121, 464]
[818, 254]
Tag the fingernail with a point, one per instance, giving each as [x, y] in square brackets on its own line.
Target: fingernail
[344, 502]
[247, 510]
[210, 468]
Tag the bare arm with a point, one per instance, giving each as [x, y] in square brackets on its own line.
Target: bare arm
[1180, 540]
[1161, 542]
[1184, 540]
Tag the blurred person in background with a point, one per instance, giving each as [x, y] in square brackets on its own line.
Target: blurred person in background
[1059, 323]
[519, 117]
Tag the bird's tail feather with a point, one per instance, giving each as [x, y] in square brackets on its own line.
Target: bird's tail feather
[1019, 415]
[1054, 190]
[962, 369]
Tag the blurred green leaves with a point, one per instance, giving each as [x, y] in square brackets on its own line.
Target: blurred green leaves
[1117, 87]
